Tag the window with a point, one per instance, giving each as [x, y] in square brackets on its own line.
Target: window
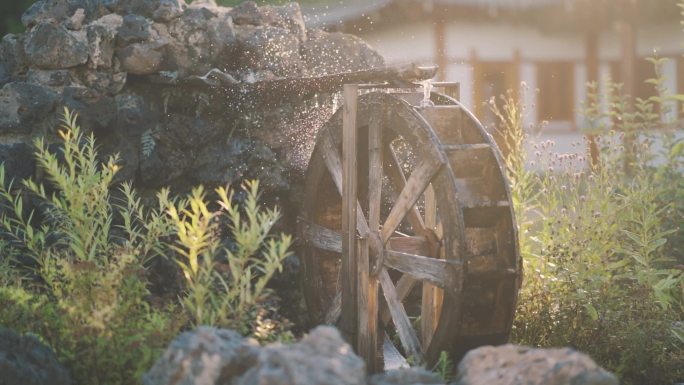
[556, 82]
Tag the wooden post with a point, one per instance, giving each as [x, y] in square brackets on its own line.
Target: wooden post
[367, 341]
[592, 64]
[349, 212]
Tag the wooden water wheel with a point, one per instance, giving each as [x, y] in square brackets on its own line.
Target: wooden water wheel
[409, 238]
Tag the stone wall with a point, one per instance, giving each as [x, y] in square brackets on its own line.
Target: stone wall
[97, 57]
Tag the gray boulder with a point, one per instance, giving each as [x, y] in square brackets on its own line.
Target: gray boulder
[50, 46]
[288, 16]
[134, 29]
[26, 361]
[12, 55]
[246, 13]
[189, 51]
[103, 81]
[267, 52]
[521, 365]
[407, 376]
[19, 162]
[329, 53]
[54, 79]
[102, 35]
[96, 111]
[58, 11]
[168, 10]
[205, 356]
[321, 358]
[23, 105]
[140, 58]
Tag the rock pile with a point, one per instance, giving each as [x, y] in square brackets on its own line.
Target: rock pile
[522, 365]
[96, 57]
[209, 356]
[25, 360]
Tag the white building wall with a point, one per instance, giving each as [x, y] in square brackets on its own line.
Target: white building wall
[580, 92]
[462, 73]
[528, 75]
[415, 42]
[670, 75]
[498, 42]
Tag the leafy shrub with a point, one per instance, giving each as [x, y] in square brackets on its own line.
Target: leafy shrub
[227, 294]
[73, 270]
[597, 243]
[87, 296]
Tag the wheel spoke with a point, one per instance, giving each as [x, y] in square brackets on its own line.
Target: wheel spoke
[407, 335]
[430, 208]
[319, 236]
[396, 176]
[436, 271]
[333, 314]
[416, 184]
[428, 316]
[404, 286]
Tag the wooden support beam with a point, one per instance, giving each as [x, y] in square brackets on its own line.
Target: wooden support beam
[367, 341]
[349, 212]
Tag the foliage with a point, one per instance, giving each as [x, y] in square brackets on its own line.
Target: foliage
[86, 294]
[226, 294]
[599, 243]
[75, 252]
[444, 367]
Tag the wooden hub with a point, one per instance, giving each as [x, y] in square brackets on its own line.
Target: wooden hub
[409, 239]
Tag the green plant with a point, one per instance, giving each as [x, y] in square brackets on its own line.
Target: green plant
[227, 294]
[76, 253]
[597, 243]
[86, 294]
[444, 367]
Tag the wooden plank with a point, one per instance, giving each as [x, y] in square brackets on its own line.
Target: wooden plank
[349, 212]
[367, 337]
[428, 322]
[446, 121]
[436, 271]
[415, 185]
[480, 192]
[407, 335]
[319, 236]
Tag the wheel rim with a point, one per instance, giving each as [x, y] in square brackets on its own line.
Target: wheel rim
[436, 218]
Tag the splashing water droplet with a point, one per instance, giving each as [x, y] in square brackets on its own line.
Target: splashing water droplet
[427, 90]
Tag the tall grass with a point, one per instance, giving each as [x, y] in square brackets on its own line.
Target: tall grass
[602, 246]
